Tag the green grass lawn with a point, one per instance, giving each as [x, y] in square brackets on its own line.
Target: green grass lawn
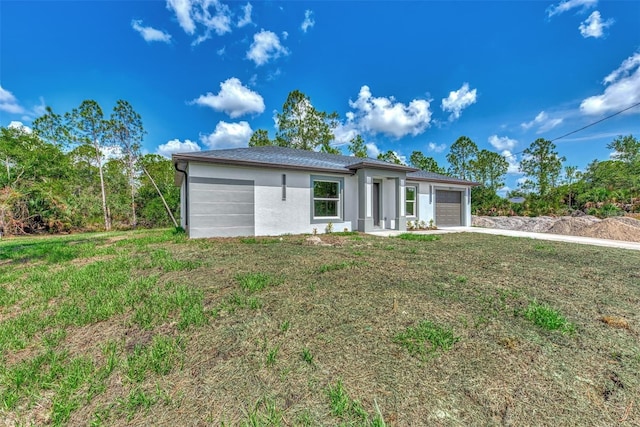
[468, 329]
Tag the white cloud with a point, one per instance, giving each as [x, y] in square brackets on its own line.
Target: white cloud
[228, 135]
[210, 15]
[502, 142]
[385, 115]
[150, 34]
[566, 5]
[177, 146]
[543, 121]
[622, 91]
[19, 126]
[9, 103]
[512, 159]
[593, 26]
[344, 133]
[459, 100]
[234, 99]
[372, 150]
[221, 51]
[285, 35]
[436, 148]
[182, 9]
[246, 18]
[308, 22]
[265, 47]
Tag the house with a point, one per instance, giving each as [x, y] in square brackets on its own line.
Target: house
[260, 191]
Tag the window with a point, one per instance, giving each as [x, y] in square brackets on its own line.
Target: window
[326, 199]
[410, 200]
[284, 186]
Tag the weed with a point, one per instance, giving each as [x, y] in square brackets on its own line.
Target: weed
[264, 413]
[254, 282]
[419, 237]
[138, 399]
[272, 356]
[461, 279]
[343, 406]
[307, 356]
[285, 326]
[415, 339]
[548, 318]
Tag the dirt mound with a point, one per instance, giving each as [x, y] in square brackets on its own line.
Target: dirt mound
[618, 228]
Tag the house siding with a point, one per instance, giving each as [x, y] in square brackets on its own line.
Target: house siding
[427, 201]
[274, 216]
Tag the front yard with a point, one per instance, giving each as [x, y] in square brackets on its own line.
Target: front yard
[458, 329]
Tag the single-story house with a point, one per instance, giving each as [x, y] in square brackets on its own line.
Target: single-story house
[260, 191]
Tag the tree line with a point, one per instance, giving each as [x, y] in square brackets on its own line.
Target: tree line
[82, 170]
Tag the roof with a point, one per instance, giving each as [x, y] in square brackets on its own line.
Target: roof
[292, 158]
[436, 177]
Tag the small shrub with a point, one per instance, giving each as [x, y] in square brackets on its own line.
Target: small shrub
[329, 228]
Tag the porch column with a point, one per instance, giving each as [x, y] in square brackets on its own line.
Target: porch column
[401, 218]
[365, 211]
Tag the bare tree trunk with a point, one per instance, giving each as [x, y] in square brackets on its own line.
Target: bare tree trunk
[107, 220]
[161, 197]
[134, 218]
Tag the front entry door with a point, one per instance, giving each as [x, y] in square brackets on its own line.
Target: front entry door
[376, 204]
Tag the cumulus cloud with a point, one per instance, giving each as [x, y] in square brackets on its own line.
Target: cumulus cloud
[207, 15]
[308, 22]
[512, 159]
[567, 5]
[436, 148]
[344, 133]
[234, 99]
[372, 150]
[458, 100]
[543, 122]
[502, 142]
[246, 18]
[19, 126]
[385, 115]
[594, 26]
[265, 47]
[177, 146]
[9, 103]
[622, 89]
[228, 135]
[150, 34]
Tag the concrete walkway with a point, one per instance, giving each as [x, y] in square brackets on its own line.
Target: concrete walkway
[526, 234]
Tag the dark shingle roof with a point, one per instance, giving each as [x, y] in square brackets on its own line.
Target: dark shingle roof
[436, 177]
[280, 157]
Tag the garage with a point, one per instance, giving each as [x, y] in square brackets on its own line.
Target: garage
[221, 207]
[448, 208]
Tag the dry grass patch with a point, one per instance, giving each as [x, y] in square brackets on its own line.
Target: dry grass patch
[281, 332]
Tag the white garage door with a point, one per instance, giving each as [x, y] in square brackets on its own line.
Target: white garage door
[221, 207]
[448, 208]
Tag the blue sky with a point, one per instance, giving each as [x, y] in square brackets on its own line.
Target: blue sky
[406, 75]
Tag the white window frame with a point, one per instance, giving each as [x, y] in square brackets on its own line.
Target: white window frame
[340, 183]
[414, 201]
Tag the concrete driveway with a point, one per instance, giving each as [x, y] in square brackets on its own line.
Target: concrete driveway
[526, 234]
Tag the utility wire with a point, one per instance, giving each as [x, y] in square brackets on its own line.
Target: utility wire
[587, 126]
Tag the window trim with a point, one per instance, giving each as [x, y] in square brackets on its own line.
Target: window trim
[414, 201]
[324, 219]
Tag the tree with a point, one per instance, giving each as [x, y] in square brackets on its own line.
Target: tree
[89, 127]
[489, 169]
[461, 153]
[627, 149]
[157, 180]
[300, 125]
[127, 132]
[391, 157]
[542, 165]
[570, 175]
[428, 164]
[51, 128]
[357, 147]
[260, 138]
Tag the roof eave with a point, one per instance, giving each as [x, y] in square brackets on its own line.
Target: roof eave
[390, 166]
[249, 163]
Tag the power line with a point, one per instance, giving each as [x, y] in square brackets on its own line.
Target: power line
[588, 126]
